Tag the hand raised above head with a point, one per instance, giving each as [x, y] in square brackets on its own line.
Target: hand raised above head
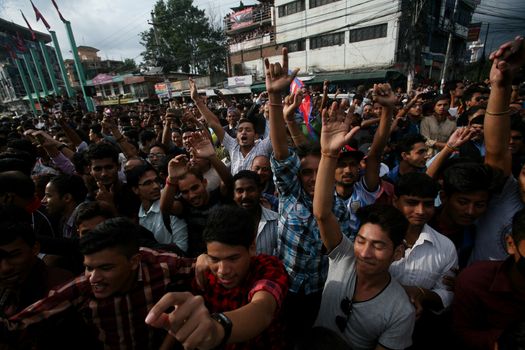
[336, 129]
[507, 60]
[383, 94]
[277, 77]
[177, 166]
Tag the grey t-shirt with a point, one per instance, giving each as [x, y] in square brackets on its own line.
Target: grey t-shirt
[387, 319]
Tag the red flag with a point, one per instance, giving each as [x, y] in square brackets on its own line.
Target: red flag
[29, 26]
[19, 43]
[59, 14]
[39, 16]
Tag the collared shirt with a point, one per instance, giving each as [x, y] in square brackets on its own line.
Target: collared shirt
[425, 264]
[238, 160]
[266, 240]
[360, 197]
[119, 319]
[486, 303]
[154, 221]
[437, 131]
[299, 245]
[266, 274]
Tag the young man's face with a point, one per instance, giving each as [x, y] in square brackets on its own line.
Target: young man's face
[441, 107]
[418, 155]
[110, 272]
[105, 171]
[246, 134]
[417, 210]
[516, 144]
[148, 188]
[53, 201]
[459, 90]
[16, 261]
[347, 171]
[156, 156]
[193, 190]
[246, 193]
[176, 138]
[416, 109]
[89, 224]
[261, 165]
[229, 263]
[308, 173]
[374, 250]
[464, 208]
[477, 99]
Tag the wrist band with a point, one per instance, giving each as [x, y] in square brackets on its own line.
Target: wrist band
[455, 149]
[329, 155]
[276, 104]
[497, 114]
[169, 183]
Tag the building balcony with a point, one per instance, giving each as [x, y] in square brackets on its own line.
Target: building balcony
[247, 42]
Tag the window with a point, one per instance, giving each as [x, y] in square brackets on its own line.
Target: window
[327, 40]
[317, 3]
[298, 45]
[368, 33]
[291, 8]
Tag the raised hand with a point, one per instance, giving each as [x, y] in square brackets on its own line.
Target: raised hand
[201, 145]
[507, 60]
[103, 194]
[383, 94]
[336, 130]
[291, 103]
[178, 166]
[460, 136]
[194, 94]
[277, 77]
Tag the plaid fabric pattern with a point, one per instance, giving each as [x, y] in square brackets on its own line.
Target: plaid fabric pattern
[299, 244]
[266, 274]
[119, 320]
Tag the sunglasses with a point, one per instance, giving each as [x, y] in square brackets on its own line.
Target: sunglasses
[342, 321]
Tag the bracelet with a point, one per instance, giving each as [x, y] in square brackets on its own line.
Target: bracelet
[422, 291]
[454, 149]
[276, 104]
[169, 183]
[497, 114]
[329, 155]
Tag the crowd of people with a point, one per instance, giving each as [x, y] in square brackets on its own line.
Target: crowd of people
[208, 225]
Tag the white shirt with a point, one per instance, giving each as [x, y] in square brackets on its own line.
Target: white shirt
[426, 263]
[266, 240]
[153, 221]
[238, 161]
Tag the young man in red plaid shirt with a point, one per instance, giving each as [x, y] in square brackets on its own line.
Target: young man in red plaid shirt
[243, 292]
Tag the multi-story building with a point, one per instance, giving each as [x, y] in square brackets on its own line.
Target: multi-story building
[16, 42]
[354, 40]
[91, 63]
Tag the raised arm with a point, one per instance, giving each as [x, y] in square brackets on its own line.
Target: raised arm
[291, 103]
[278, 81]
[335, 133]
[384, 95]
[458, 138]
[211, 118]
[177, 167]
[324, 100]
[506, 62]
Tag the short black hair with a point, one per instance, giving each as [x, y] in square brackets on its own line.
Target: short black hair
[231, 225]
[416, 184]
[90, 210]
[471, 90]
[72, 184]
[407, 142]
[308, 149]
[146, 136]
[15, 223]
[247, 174]
[390, 219]
[133, 175]
[118, 233]
[518, 226]
[441, 97]
[18, 183]
[102, 150]
[451, 85]
[466, 177]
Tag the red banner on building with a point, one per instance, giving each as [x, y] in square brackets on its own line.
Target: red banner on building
[241, 18]
[473, 31]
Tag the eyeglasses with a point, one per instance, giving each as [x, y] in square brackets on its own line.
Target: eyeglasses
[342, 321]
[151, 182]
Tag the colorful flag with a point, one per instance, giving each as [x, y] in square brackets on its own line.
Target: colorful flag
[295, 85]
[59, 14]
[305, 108]
[39, 16]
[33, 35]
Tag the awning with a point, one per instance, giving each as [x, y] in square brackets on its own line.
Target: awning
[369, 76]
[258, 88]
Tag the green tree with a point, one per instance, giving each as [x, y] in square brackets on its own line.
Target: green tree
[182, 39]
[128, 65]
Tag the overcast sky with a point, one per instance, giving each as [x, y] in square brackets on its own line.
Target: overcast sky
[113, 26]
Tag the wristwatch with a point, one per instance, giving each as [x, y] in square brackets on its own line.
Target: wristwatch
[226, 323]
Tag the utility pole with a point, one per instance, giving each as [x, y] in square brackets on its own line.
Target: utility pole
[413, 42]
[452, 29]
